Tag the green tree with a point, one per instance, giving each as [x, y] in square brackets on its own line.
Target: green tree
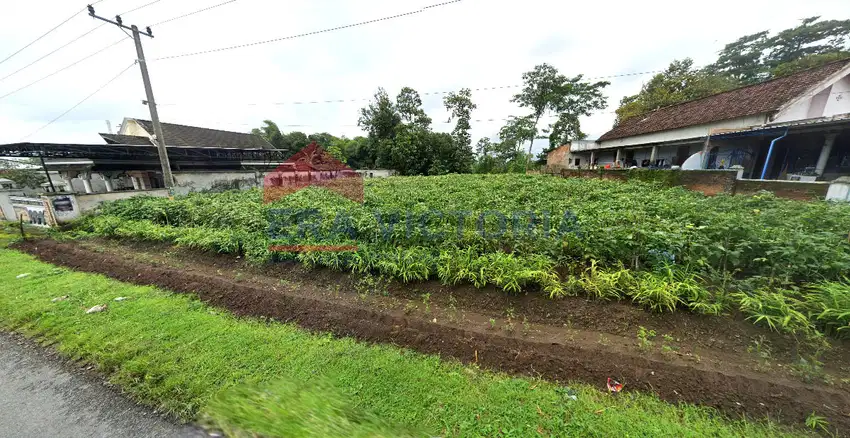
[380, 118]
[323, 139]
[295, 141]
[808, 62]
[812, 37]
[680, 82]
[577, 99]
[517, 130]
[545, 89]
[357, 151]
[460, 106]
[23, 172]
[409, 106]
[540, 92]
[271, 133]
[741, 60]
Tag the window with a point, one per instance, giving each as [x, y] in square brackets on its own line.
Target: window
[578, 162]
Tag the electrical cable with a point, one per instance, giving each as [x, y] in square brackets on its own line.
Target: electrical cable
[427, 93]
[81, 101]
[74, 40]
[347, 26]
[61, 69]
[46, 33]
[191, 13]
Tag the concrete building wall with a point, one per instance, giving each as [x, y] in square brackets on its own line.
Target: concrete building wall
[838, 101]
[559, 156]
[686, 133]
[375, 173]
[830, 101]
[6, 208]
[130, 127]
[194, 181]
[64, 208]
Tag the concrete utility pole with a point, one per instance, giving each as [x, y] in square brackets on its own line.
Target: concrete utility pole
[167, 179]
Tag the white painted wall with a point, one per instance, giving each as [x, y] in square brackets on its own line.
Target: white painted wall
[686, 133]
[193, 181]
[375, 173]
[83, 203]
[831, 101]
[838, 101]
[131, 127]
[6, 205]
[91, 201]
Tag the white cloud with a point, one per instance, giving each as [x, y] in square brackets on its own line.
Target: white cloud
[475, 43]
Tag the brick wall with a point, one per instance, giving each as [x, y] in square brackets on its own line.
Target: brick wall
[558, 157]
[709, 182]
[803, 191]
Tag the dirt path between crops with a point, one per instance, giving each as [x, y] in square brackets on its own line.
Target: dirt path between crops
[704, 361]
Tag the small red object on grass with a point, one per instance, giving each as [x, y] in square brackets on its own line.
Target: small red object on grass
[614, 386]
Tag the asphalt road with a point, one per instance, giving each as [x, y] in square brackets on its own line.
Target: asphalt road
[43, 396]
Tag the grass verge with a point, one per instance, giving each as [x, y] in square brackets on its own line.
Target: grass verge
[254, 376]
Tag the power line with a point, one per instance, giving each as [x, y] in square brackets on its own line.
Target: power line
[139, 7]
[192, 13]
[46, 33]
[427, 93]
[332, 29]
[54, 51]
[60, 70]
[74, 40]
[81, 102]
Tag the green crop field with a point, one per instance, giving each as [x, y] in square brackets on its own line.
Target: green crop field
[780, 262]
[252, 377]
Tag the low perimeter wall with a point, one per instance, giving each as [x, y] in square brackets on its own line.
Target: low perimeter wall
[709, 182]
[64, 208]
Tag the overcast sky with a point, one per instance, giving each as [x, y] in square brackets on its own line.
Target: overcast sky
[474, 43]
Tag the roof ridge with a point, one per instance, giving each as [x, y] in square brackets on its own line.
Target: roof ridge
[199, 127]
[845, 60]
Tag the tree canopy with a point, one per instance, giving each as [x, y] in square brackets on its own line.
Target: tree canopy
[23, 172]
[747, 60]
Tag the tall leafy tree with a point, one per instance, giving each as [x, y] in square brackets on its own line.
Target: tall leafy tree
[680, 82]
[409, 106]
[23, 172]
[741, 60]
[808, 62]
[460, 106]
[517, 130]
[540, 92]
[295, 141]
[380, 118]
[811, 37]
[577, 99]
[271, 133]
[546, 90]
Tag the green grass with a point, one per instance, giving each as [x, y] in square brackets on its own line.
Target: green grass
[175, 353]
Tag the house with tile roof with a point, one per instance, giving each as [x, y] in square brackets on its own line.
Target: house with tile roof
[793, 127]
[141, 132]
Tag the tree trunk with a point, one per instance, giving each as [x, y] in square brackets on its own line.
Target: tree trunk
[531, 144]
[537, 119]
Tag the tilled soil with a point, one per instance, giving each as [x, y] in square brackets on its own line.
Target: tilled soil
[707, 361]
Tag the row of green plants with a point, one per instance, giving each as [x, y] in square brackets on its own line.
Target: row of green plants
[663, 248]
[822, 307]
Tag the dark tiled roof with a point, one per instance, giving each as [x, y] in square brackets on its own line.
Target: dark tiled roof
[182, 135]
[126, 139]
[754, 99]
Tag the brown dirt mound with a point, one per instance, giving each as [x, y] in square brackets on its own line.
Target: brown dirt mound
[457, 325]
